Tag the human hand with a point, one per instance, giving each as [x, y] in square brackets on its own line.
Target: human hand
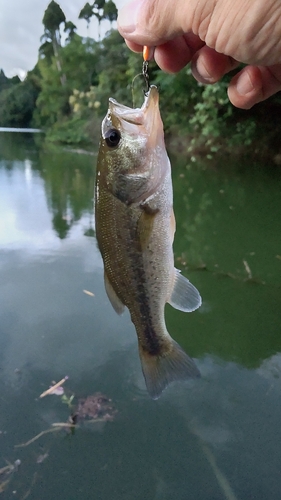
[215, 36]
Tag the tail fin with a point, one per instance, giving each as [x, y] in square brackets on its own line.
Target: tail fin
[159, 371]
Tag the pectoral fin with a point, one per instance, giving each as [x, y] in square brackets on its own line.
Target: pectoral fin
[184, 296]
[115, 301]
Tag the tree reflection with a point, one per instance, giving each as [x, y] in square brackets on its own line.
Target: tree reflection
[18, 146]
[69, 183]
[69, 178]
[60, 225]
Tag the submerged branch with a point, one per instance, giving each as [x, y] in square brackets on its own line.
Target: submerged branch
[58, 426]
[47, 431]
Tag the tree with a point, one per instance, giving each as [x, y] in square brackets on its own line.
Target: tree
[46, 51]
[69, 28]
[6, 82]
[52, 103]
[112, 67]
[110, 11]
[17, 104]
[99, 4]
[98, 7]
[77, 54]
[52, 19]
[86, 13]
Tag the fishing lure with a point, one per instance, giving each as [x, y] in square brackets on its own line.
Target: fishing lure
[147, 54]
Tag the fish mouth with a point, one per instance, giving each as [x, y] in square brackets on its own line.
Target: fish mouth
[151, 97]
[148, 115]
[135, 116]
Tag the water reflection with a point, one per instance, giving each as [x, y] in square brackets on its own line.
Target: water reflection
[69, 184]
[212, 438]
[64, 180]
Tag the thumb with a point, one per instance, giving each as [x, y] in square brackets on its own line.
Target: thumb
[153, 22]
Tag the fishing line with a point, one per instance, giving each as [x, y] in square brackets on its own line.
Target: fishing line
[132, 87]
[144, 74]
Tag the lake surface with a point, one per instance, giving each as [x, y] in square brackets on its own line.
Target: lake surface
[211, 439]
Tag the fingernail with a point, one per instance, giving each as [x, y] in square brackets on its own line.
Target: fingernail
[127, 16]
[244, 84]
[200, 72]
[203, 72]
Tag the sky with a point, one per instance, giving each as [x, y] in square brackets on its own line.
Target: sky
[21, 28]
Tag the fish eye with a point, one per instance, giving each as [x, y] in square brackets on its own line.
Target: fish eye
[112, 138]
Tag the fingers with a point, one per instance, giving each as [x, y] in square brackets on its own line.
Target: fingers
[153, 22]
[135, 47]
[251, 85]
[173, 55]
[254, 84]
[208, 66]
[250, 32]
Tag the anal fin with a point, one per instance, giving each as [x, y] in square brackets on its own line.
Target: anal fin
[184, 296]
[116, 303]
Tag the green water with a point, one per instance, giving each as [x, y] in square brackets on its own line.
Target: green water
[212, 439]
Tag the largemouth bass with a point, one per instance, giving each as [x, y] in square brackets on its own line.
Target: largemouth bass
[135, 228]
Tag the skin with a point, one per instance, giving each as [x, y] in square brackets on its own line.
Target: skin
[214, 36]
[132, 221]
[135, 230]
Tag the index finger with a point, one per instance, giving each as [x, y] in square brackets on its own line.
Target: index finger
[173, 55]
[134, 46]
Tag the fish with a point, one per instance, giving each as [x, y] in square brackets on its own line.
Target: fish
[135, 226]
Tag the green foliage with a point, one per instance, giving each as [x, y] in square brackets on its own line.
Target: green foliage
[112, 69]
[52, 103]
[79, 61]
[46, 51]
[72, 84]
[67, 400]
[52, 20]
[244, 133]
[179, 94]
[83, 103]
[70, 131]
[98, 11]
[98, 4]
[110, 11]
[69, 28]
[86, 13]
[53, 17]
[212, 111]
[6, 82]
[17, 105]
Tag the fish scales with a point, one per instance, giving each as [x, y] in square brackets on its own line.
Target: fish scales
[131, 268]
[135, 230]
